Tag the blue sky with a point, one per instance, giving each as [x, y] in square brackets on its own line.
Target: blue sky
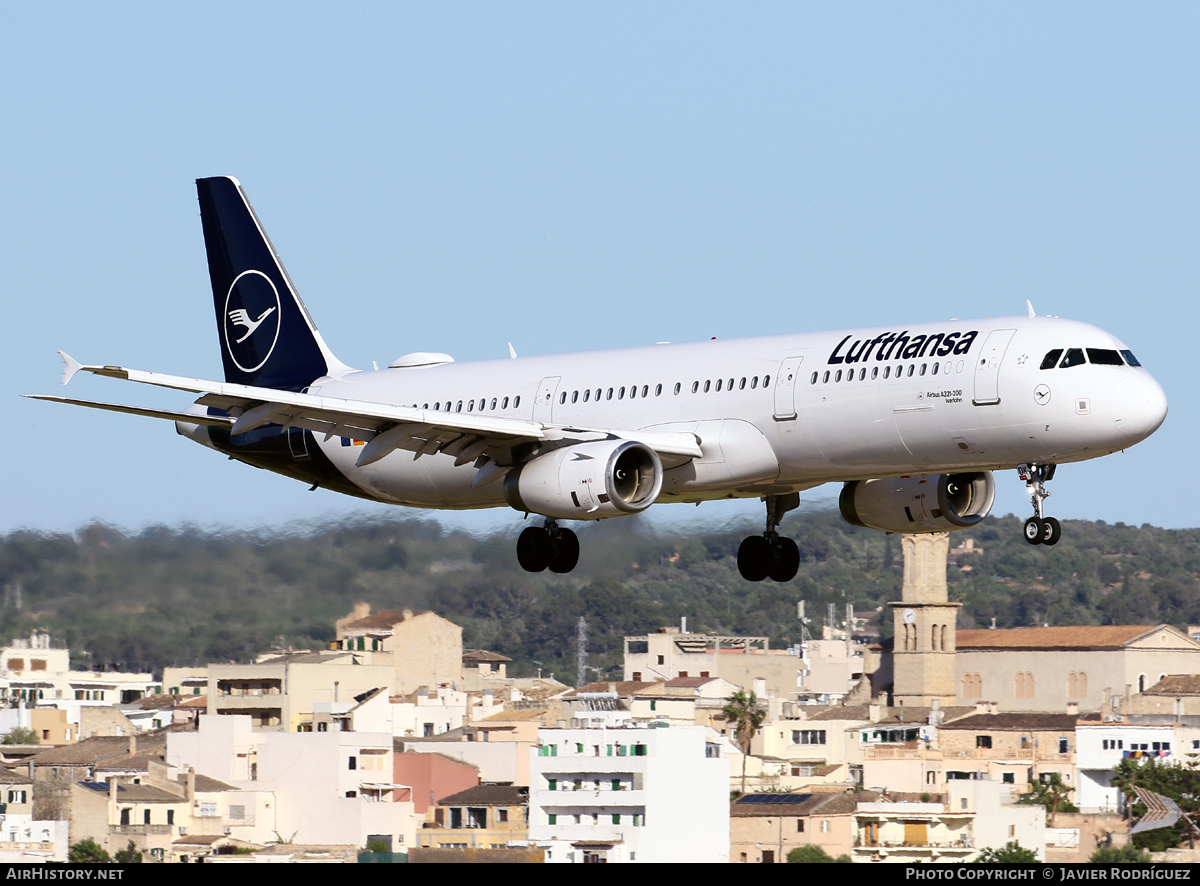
[567, 176]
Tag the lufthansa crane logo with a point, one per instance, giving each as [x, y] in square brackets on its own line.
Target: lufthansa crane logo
[251, 320]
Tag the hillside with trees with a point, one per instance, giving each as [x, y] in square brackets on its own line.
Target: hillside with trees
[183, 595]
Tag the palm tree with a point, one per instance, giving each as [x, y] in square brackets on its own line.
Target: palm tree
[742, 710]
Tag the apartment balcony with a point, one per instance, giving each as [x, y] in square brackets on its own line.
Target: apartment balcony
[1028, 756]
[142, 830]
[570, 798]
[899, 752]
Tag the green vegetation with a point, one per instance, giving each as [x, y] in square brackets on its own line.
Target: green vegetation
[1128, 854]
[128, 855]
[87, 852]
[20, 735]
[814, 854]
[1011, 853]
[180, 596]
[744, 712]
[1051, 793]
[1178, 780]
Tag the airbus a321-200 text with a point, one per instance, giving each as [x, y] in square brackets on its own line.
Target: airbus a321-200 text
[912, 420]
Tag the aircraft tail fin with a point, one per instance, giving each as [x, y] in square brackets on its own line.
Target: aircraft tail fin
[267, 336]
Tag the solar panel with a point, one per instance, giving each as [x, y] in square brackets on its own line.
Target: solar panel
[773, 799]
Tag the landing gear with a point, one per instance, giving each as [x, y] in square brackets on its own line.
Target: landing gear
[1039, 530]
[548, 546]
[769, 555]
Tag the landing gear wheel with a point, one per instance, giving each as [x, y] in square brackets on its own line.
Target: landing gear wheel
[787, 560]
[1051, 531]
[754, 558]
[565, 551]
[533, 549]
[1035, 531]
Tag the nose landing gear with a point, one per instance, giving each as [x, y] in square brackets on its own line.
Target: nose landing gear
[769, 554]
[1038, 529]
[548, 546]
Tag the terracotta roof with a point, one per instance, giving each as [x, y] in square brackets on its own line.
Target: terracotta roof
[488, 795]
[484, 655]
[1015, 722]
[1176, 684]
[1068, 637]
[793, 804]
[99, 749]
[512, 716]
[15, 776]
[689, 682]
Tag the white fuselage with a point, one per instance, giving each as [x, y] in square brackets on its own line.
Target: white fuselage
[785, 412]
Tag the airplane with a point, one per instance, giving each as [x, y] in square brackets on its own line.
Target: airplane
[912, 419]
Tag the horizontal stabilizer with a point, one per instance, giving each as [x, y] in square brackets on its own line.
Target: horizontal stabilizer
[214, 421]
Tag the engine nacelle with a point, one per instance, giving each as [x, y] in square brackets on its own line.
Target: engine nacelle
[937, 503]
[587, 481]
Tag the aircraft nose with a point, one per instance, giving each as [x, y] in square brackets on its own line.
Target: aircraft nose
[1142, 406]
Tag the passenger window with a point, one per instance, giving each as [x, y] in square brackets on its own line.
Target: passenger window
[609, 395]
[911, 367]
[933, 370]
[707, 385]
[824, 378]
[1130, 359]
[633, 393]
[729, 387]
[742, 384]
[874, 373]
[516, 401]
[562, 398]
[621, 393]
[766, 380]
[862, 373]
[459, 409]
[678, 387]
[1051, 358]
[718, 385]
[1104, 357]
[922, 369]
[646, 390]
[504, 405]
[587, 394]
[812, 381]
[424, 405]
[574, 396]
[493, 403]
[471, 406]
[838, 377]
[597, 393]
[695, 386]
[887, 371]
[1074, 357]
[754, 382]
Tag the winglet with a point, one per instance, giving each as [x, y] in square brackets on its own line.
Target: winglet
[70, 366]
[1029, 307]
[512, 352]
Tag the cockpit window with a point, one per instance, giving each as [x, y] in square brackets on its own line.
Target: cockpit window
[1051, 358]
[1074, 358]
[1129, 358]
[1104, 357]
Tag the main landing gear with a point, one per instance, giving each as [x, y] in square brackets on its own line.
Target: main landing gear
[760, 556]
[547, 546]
[1039, 530]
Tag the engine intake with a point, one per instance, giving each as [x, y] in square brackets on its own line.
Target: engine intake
[587, 481]
[938, 503]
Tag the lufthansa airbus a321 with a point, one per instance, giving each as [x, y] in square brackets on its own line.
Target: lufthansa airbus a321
[912, 420]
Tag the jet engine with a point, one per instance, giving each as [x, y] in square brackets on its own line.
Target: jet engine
[937, 503]
[587, 481]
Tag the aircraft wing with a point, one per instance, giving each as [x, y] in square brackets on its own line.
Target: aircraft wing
[383, 427]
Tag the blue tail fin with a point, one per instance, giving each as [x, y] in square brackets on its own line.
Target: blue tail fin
[267, 336]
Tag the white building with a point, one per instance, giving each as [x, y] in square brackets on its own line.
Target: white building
[1099, 747]
[329, 787]
[630, 794]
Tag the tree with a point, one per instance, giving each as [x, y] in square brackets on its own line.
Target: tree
[1128, 854]
[1011, 853]
[1180, 782]
[814, 854]
[87, 852]
[1051, 793]
[742, 710]
[128, 855]
[20, 735]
